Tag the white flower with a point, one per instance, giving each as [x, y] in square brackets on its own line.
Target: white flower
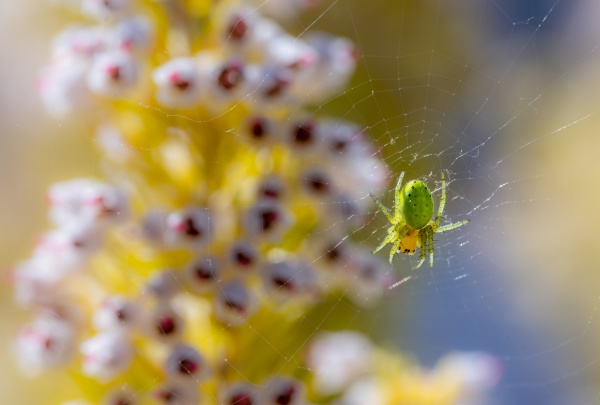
[285, 9]
[154, 226]
[67, 249]
[343, 140]
[361, 175]
[179, 83]
[36, 282]
[266, 220]
[192, 227]
[113, 145]
[85, 201]
[133, 35]
[303, 134]
[336, 63]
[476, 371]
[259, 130]
[47, 342]
[81, 42]
[287, 278]
[202, 274]
[317, 182]
[271, 187]
[117, 313]
[268, 86]
[187, 364]
[163, 284]
[234, 303]
[291, 52]
[243, 257]
[177, 393]
[347, 211]
[105, 9]
[227, 80]
[262, 31]
[333, 253]
[121, 396]
[362, 392]
[112, 74]
[239, 27]
[338, 359]
[164, 324]
[371, 278]
[239, 394]
[66, 199]
[62, 86]
[106, 355]
[282, 390]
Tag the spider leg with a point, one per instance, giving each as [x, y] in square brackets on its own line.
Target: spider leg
[382, 208]
[390, 238]
[430, 241]
[423, 248]
[397, 195]
[394, 250]
[397, 242]
[438, 218]
[450, 227]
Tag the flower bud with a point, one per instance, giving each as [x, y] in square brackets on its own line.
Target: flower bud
[283, 391]
[112, 74]
[117, 313]
[45, 343]
[177, 393]
[187, 364]
[179, 83]
[191, 227]
[105, 9]
[234, 303]
[106, 355]
[202, 274]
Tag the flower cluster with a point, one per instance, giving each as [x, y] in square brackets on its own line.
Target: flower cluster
[223, 220]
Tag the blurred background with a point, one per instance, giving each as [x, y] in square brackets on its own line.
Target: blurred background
[503, 95]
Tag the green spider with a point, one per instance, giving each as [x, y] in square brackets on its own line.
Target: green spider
[412, 225]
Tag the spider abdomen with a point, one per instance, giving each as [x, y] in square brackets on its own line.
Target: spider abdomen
[409, 243]
[416, 204]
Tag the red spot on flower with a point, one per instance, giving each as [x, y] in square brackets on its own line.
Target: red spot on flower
[304, 133]
[187, 366]
[188, 227]
[114, 72]
[230, 76]
[287, 396]
[203, 273]
[284, 283]
[237, 29]
[258, 128]
[269, 218]
[166, 325]
[241, 399]
[243, 259]
[236, 306]
[277, 87]
[179, 82]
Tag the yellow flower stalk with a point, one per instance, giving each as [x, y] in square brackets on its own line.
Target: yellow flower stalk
[185, 275]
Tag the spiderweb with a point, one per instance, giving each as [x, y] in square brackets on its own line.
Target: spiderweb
[482, 90]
